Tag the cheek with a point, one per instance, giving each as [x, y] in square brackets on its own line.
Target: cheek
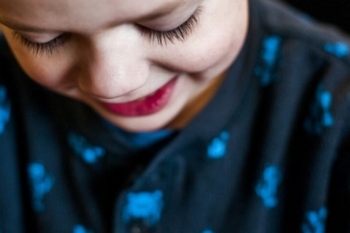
[207, 57]
[42, 72]
[209, 52]
[215, 47]
[215, 43]
[47, 71]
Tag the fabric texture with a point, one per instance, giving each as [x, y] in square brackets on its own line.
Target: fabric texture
[270, 153]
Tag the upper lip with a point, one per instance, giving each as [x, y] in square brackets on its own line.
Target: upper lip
[130, 97]
[123, 99]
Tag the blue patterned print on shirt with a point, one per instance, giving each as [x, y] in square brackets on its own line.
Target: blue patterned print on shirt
[80, 229]
[338, 49]
[268, 186]
[89, 153]
[315, 221]
[41, 184]
[321, 116]
[144, 205]
[5, 109]
[269, 57]
[218, 146]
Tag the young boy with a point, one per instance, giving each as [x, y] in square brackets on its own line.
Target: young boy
[198, 116]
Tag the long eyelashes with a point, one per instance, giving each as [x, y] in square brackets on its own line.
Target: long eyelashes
[180, 33]
[49, 47]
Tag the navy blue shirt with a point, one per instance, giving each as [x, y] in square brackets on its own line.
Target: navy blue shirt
[270, 153]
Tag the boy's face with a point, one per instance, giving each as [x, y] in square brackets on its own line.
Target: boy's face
[116, 55]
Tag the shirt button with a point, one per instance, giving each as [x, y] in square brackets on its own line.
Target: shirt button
[140, 228]
[136, 229]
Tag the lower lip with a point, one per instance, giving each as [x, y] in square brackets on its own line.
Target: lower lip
[145, 106]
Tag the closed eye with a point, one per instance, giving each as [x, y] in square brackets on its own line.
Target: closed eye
[180, 33]
[38, 48]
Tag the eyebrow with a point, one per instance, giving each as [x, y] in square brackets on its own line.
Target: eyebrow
[159, 13]
[21, 27]
[27, 28]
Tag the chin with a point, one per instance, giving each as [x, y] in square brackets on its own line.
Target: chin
[140, 124]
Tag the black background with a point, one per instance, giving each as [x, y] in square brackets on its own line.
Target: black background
[333, 11]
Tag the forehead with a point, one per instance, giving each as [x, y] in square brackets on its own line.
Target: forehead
[68, 14]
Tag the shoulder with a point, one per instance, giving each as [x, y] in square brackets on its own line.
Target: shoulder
[302, 46]
[294, 27]
[308, 61]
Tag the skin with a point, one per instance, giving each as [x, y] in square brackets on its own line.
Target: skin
[107, 59]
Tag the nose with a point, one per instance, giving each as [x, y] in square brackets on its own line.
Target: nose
[113, 67]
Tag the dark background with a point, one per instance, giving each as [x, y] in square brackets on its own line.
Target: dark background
[332, 11]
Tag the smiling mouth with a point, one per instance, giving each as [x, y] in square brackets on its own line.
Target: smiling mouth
[144, 106]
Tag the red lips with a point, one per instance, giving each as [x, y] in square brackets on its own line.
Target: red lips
[144, 106]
